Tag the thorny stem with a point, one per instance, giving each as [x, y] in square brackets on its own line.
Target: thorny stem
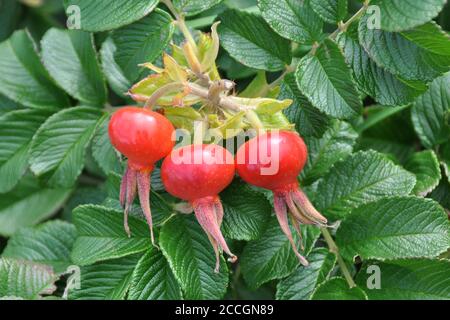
[334, 249]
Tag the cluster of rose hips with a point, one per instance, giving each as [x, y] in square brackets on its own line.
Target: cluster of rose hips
[198, 173]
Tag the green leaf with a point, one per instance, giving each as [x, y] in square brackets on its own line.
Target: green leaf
[425, 166]
[24, 78]
[371, 79]
[142, 41]
[28, 204]
[70, 58]
[193, 7]
[116, 79]
[49, 243]
[335, 145]
[338, 289]
[395, 228]
[420, 279]
[271, 257]
[192, 259]
[302, 282]
[410, 60]
[59, 146]
[250, 40]
[326, 80]
[308, 120]
[363, 177]
[331, 11]
[107, 280]
[153, 279]
[101, 235]
[246, 212]
[26, 280]
[428, 113]
[430, 36]
[398, 15]
[16, 131]
[102, 15]
[294, 20]
[102, 150]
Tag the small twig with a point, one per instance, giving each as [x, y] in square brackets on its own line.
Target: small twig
[334, 249]
[356, 16]
[222, 101]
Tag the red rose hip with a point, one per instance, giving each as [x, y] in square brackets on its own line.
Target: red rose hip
[197, 174]
[144, 137]
[273, 161]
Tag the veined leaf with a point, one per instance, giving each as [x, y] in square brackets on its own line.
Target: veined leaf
[309, 121]
[335, 145]
[430, 36]
[338, 289]
[24, 78]
[153, 279]
[141, 42]
[193, 7]
[407, 59]
[49, 243]
[101, 235]
[363, 177]
[271, 257]
[102, 15]
[302, 282]
[70, 58]
[27, 204]
[102, 150]
[26, 280]
[116, 79]
[371, 79]
[16, 131]
[428, 113]
[294, 20]
[246, 212]
[395, 228]
[250, 40]
[326, 80]
[331, 11]
[192, 259]
[425, 166]
[398, 15]
[60, 143]
[106, 280]
[421, 279]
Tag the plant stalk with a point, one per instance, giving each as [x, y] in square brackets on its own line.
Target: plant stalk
[356, 16]
[334, 249]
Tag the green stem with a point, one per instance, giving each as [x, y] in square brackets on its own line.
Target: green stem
[356, 16]
[334, 249]
[181, 23]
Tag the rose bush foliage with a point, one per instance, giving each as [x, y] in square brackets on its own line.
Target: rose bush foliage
[370, 88]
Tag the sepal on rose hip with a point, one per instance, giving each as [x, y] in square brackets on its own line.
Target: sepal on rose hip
[209, 214]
